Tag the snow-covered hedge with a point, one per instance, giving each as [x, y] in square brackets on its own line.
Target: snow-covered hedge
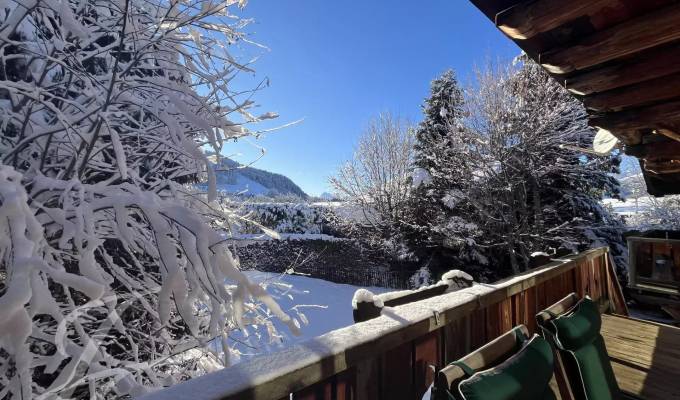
[286, 218]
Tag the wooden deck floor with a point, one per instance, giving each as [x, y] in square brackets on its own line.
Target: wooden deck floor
[645, 356]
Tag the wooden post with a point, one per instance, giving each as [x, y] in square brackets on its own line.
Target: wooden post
[614, 287]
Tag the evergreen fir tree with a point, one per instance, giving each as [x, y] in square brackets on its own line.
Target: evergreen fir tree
[432, 153]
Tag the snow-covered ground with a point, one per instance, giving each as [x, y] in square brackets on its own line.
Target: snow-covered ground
[321, 307]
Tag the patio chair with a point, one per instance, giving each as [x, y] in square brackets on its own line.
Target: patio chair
[513, 366]
[572, 327]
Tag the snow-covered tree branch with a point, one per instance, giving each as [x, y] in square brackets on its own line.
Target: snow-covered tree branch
[110, 264]
[378, 177]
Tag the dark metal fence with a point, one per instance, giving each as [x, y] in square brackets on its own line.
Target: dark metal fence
[366, 277]
[360, 277]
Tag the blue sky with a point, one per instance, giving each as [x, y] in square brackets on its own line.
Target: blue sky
[337, 64]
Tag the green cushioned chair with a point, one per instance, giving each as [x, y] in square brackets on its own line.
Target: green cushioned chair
[512, 367]
[572, 326]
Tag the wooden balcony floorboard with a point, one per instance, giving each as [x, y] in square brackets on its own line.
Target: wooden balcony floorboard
[645, 356]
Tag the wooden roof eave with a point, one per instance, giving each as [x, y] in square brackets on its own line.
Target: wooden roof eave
[621, 58]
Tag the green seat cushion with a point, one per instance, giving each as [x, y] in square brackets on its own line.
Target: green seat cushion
[578, 338]
[579, 327]
[526, 375]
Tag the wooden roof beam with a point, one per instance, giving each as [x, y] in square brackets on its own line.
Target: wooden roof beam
[650, 117]
[647, 65]
[530, 18]
[650, 30]
[662, 167]
[646, 92]
[669, 133]
[666, 150]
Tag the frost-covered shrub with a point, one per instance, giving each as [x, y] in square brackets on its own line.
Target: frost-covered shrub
[111, 265]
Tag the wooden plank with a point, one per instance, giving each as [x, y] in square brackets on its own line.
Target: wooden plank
[550, 292]
[344, 391]
[426, 353]
[597, 280]
[530, 18]
[558, 290]
[530, 309]
[578, 283]
[662, 249]
[637, 383]
[564, 286]
[615, 292]
[571, 283]
[641, 94]
[477, 329]
[541, 301]
[457, 336]
[591, 280]
[345, 385]
[506, 315]
[639, 118]
[517, 310]
[368, 379]
[319, 391]
[644, 260]
[585, 278]
[618, 41]
[494, 315]
[396, 381]
[645, 66]
[662, 149]
[644, 356]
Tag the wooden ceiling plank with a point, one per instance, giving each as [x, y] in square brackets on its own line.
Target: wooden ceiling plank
[663, 167]
[530, 18]
[650, 117]
[666, 150]
[650, 30]
[669, 133]
[655, 90]
[647, 65]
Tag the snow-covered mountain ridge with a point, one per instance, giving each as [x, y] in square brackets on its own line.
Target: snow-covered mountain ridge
[235, 178]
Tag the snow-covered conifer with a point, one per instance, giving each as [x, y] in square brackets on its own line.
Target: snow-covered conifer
[433, 178]
[512, 181]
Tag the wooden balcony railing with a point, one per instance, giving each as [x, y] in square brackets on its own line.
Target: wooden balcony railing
[389, 357]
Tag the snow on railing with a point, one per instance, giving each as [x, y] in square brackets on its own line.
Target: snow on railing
[391, 355]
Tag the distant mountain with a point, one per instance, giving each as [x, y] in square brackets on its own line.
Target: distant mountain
[327, 196]
[233, 177]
